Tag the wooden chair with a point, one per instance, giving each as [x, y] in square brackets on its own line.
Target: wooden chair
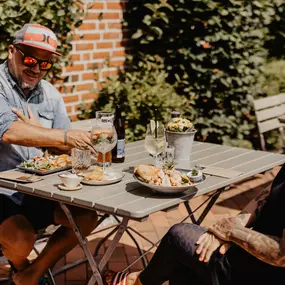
[268, 111]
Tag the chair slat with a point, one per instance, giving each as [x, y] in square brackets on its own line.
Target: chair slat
[270, 113]
[269, 125]
[268, 102]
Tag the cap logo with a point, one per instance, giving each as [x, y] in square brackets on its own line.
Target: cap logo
[37, 36]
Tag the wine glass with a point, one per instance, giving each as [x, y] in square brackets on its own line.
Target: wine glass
[155, 141]
[103, 134]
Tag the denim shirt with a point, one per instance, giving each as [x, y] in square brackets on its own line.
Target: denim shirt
[45, 102]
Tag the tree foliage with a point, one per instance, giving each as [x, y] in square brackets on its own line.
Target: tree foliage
[212, 53]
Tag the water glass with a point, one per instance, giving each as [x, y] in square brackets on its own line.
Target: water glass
[166, 157]
[103, 134]
[81, 160]
[155, 144]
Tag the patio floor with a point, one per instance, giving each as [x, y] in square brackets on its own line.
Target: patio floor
[229, 203]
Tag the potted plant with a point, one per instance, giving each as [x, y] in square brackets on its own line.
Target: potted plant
[180, 133]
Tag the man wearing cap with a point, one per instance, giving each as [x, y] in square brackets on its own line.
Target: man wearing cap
[33, 115]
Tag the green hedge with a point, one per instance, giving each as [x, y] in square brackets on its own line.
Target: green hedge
[59, 15]
[212, 54]
[275, 42]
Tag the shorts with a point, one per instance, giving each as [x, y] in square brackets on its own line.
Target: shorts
[38, 211]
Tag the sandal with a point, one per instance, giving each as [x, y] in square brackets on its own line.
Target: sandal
[116, 278]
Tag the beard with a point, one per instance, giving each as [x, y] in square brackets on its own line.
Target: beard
[26, 86]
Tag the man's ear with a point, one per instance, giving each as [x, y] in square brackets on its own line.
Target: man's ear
[11, 50]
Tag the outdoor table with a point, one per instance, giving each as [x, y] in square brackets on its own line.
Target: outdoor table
[282, 119]
[130, 200]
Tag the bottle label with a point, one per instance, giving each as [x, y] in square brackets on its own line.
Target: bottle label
[121, 148]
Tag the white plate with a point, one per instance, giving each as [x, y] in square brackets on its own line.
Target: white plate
[113, 177]
[170, 189]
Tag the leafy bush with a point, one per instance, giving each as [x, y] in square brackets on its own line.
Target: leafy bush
[273, 78]
[212, 50]
[140, 93]
[59, 15]
[211, 54]
[275, 42]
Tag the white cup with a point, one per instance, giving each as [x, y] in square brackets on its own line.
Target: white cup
[70, 180]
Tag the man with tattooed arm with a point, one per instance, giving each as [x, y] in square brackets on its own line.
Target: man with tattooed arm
[246, 249]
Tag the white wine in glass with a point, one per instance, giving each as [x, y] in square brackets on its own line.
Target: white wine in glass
[103, 138]
[155, 141]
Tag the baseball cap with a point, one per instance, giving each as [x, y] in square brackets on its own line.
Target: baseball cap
[37, 36]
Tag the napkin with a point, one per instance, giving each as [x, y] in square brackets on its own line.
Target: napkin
[221, 172]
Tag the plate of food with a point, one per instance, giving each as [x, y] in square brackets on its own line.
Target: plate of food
[168, 181]
[48, 164]
[97, 176]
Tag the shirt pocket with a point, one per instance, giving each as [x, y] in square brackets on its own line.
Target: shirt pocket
[46, 119]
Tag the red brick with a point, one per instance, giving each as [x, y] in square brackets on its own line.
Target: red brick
[86, 56]
[102, 55]
[73, 118]
[97, 5]
[75, 67]
[74, 78]
[84, 47]
[68, 89]
[117, 63]
[114, 26]
[104, 45]
[101, 26]
[82, 87]
[89, 96]
[75, 57]
[70, 99]
[90, 37]
[95, 66]
[111, 16]
[88, 76]
[92, 16]
[119, 53]
[114, 6]
[109, 73]
[68, 109]
[76, 37]
[107, 36]
[87, 27]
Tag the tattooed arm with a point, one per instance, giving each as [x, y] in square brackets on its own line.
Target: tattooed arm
[210, 241]
[267, 248]
[252, 211]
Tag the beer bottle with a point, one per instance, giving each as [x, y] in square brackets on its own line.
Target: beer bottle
[118, 152]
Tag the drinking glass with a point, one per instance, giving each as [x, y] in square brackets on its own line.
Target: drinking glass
[81, 160]
[155, 141]
[103, 134]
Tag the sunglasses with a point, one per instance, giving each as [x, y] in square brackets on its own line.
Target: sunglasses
[30, 61]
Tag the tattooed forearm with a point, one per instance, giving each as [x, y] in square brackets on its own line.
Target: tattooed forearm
[249, 214]
[266, 248]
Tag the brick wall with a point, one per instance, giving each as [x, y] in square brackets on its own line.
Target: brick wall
[97, 51]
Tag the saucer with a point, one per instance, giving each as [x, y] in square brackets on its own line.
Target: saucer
[64, 188]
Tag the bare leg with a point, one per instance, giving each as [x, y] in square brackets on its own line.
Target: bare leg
[60, 243]
[17, 238]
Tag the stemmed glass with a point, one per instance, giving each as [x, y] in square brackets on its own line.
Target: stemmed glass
[103, 134]
[155, 141]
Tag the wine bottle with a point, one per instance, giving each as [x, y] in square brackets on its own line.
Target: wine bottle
[118, 152]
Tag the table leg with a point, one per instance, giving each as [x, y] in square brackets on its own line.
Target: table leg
[111, 248]
[84, 244]
[122, 228]
[211, 201]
